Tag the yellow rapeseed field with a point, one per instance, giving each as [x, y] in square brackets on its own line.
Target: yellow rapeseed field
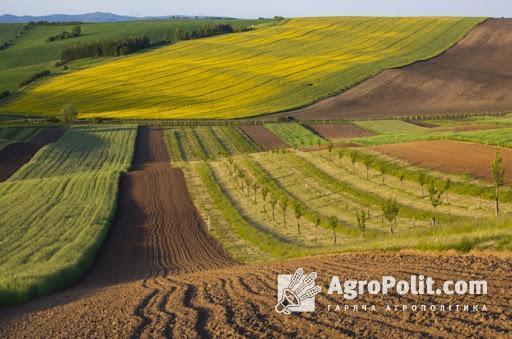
[270, 69]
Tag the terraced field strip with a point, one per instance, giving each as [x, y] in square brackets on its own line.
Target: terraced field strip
[17, 153]
[240, 301]
[452, 157]
[265, 139]
[271, 69]
[339, 131]
[296, 135]
[56, 210]
[390, 126]
[206, 142]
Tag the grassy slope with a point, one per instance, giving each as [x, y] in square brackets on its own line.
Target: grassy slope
[31, 53]
[8, 32]
[56, 210]
[263, 71]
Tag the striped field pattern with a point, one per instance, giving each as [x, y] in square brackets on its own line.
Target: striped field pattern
[270, 69]
[56, 210]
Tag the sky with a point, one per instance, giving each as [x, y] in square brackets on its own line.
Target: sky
[262, 8]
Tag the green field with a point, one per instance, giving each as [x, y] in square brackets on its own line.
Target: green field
[390, 126]
[202, 143]
[275, 68]
[31, 53]
[296, 135]
[56, 210]
[9, 135]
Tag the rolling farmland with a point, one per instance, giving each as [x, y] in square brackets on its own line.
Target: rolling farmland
[30, 53]
[275, 68]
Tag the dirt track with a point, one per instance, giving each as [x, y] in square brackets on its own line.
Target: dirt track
[18, 154]
[451, 157]
[474, 76]
[239, 302]
[263, 137]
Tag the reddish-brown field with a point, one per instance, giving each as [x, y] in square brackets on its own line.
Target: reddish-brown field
[18, 154]
[340, 131]
[474, 76]
[263, 137]
[239, 302]
[451, 157]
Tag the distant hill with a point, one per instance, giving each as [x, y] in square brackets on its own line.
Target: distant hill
[88, 17]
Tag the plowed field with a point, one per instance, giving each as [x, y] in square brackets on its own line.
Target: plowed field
[239, 302]
[474, 76]
[451, 157]
[263, 137]
[18, 154]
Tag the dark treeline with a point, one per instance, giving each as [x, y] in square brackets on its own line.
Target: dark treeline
[34, 77]
[4, 94]
[54, 23]
[104, 48]
[130, 45]
[75, 31]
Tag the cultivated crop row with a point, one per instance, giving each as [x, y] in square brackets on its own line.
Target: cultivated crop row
[56, 210]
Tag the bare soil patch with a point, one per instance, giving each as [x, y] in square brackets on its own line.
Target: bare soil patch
[451, 157]
[18, 154]
[263, 137]
[340, 131]
[239, 302]
[474, 76]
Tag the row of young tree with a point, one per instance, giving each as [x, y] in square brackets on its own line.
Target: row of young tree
[390, 207]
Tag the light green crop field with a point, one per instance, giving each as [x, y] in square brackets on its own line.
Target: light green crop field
[390, 126]
[270, 69]
[296, 135]
[56, 210]
[31, 53]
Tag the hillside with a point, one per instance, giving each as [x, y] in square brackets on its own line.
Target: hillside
[268, 70]
[30, 53]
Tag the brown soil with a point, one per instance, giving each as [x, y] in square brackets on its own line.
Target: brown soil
[451, 157]
[474, 76]
[263, 137]
[18, 154]
[239, 302]
[333, 132]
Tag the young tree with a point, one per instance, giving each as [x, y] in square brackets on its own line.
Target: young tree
[368, 163]
[447, 185]
[68, 113]
[340, 155]
[299, 212]
[329, 147]
[422, 179]
[353, 159]
[241, 177]
[255, 188]
[333, 223]
[317, 221]
[402, 178]
[383, 169]
[76, 31]
[390, 211]
[498, 175]
[362, 217]
[436, 199]
[264, 193]
[273, 203]
[284, 206]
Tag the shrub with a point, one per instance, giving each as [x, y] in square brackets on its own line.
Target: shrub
[34, 77]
